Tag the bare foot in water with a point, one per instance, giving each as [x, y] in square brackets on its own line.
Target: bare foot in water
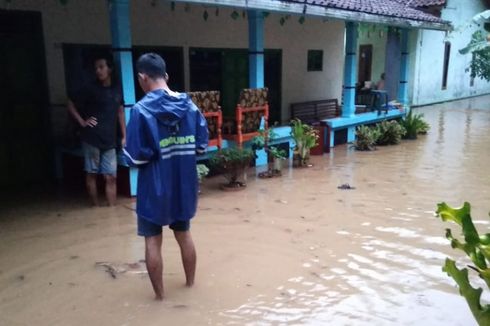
[159, 297]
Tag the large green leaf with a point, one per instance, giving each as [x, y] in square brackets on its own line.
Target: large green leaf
[456, 215]
[472, 295]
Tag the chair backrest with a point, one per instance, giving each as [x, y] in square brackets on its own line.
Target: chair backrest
[207, 101]
[253, 97]
[254, 105]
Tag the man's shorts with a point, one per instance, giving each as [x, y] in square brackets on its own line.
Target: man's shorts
[100, 161]
[149, 229]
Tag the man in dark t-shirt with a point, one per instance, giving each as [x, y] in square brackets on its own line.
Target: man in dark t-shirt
[97, 108]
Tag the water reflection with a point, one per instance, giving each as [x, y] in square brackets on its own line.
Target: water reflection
[393, 273]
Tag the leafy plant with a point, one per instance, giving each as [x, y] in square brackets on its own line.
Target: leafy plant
[264, 140]
[232, 162]
[477, 248]
[414, 124]
[305, 137]
[390, 132]
[479, 47]
[366, 138]
[202, 171]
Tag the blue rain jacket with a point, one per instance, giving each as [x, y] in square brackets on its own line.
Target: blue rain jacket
[163, 136]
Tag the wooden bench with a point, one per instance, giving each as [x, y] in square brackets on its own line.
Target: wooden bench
[313, 112]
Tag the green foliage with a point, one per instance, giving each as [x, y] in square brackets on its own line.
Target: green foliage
[390, 132]
[202, 171]
[480, 62]
[477, 248]
[414, 124]
[264, 140]
[231, 162]
[366, 138]
[305, 137]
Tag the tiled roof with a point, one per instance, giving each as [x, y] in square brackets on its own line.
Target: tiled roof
[390, 8]
[423, 3]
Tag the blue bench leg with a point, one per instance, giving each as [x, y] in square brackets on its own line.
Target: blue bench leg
[261, 158]
[133, 180]
[332, 138]
[292, 145]
[351, 134]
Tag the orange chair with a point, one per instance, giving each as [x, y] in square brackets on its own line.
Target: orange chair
[252, 107]
[208, 104]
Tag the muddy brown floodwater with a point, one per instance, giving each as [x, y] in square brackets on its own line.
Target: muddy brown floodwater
[294, 250]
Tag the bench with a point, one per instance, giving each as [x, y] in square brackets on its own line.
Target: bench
[315, 111]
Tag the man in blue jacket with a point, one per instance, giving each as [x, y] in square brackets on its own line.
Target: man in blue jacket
[164, 134]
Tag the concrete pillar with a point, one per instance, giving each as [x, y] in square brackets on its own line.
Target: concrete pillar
[404, 67]
[256, 48]
[120, 17]
[350, 71]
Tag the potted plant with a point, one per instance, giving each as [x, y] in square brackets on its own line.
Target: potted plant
[390, 132]
[366, 138]
[305, 137]
[414, 125]
[232, 163]
[274, 154]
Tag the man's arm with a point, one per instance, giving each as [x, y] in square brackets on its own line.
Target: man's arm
[122, 124]
[139, 148]
[90, 122]
[202, 133]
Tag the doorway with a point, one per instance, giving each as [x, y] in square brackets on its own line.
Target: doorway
[365, 63]
[25, 137]
[226, 70]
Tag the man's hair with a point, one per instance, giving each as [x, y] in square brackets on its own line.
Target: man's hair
[104, 56]
[152, 65]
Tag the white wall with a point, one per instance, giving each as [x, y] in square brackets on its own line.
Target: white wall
[377, 38]
[87, 22]
[428, 56]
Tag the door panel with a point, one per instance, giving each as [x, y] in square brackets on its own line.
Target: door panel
[25, 138]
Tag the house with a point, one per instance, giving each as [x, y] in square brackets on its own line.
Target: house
[302, 50]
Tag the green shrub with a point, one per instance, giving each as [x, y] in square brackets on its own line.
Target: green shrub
[366, 138]
[202, 171]
[232, 162]
[414, 124]
[390, 132]
[305, 137]
[477, 248]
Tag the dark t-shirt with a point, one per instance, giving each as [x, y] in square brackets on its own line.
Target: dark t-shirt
[95, 100]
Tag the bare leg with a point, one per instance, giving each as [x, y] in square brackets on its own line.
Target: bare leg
[110, 189]
[91, 183]
[188, 253]
[154, 263]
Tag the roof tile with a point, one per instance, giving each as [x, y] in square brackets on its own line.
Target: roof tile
[390, 8]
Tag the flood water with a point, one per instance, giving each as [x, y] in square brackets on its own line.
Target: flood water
[294, 250]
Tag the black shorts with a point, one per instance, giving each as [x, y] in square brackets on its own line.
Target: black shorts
[149, 229]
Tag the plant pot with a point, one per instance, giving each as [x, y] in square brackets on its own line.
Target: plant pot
[299, 162]
[277, 164]
[236, 186]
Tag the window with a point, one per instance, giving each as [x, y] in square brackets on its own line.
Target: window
[447, 53]
[472, 75]
[315, 60]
